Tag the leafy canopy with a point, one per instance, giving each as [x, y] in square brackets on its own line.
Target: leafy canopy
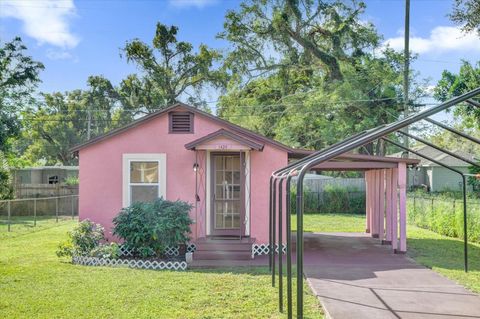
[170, 69]
[19, 76]
[271, 35]
[309, 73]
[466, 13]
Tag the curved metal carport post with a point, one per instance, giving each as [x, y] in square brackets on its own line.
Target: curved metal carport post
[280, 247]
[280, 236]
[323, 156]
[464, 189]
[288, 176]
[270, 225]
[341, 148]
[289, 252]
[281, 174]
[272, 247]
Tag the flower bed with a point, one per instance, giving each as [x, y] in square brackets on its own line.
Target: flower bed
[126, 258]
[154, 235]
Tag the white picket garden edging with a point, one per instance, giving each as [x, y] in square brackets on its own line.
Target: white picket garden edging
[131, 263]
[169, 251]
[264, 249]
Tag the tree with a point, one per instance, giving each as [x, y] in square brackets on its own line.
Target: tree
[300, 110]
[467, 116]
[64, 120]
[306, 73]
[6, 191]
[57, 125]
[466, 13]
[170, 70]
[269, 35]
[451, 85]
[19, 76]
[473, 180]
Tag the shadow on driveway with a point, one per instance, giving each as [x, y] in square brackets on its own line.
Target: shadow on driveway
[355, 276]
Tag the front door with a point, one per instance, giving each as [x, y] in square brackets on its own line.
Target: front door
[228, 187]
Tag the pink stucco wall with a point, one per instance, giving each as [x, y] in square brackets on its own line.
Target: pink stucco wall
[101, 173]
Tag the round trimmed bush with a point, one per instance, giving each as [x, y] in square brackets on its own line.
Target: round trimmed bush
[148, 228]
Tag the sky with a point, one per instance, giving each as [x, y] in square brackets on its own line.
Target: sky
[78, 38]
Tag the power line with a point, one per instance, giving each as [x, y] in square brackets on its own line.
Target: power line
[238, 106]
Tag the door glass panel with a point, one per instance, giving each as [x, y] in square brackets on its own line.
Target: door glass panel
[236, 163]
[228, 163]
[218, 220]
[227, 192]
[228, 221]
[228, 177]
[219, 178]
[236, 221]
[236, 192]
[236, 177]
[220, 194]
[218, 162]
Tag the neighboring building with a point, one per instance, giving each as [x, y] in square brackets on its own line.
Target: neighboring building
[44, 181]
[44, 174]
[187, 154]
[434, 177]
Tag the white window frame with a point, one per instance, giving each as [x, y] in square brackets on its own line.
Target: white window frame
[160, 158]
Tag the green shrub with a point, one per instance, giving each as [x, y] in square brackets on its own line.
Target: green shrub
[333, 200]
[71, 180]
[65, 249]
[83, 239]
[149, 228]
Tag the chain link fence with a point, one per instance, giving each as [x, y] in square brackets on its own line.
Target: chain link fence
[444, 215]
[22, 215]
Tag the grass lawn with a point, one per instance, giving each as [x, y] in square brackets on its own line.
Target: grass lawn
[445, 255]
[440, 253]
[350, 223]
[34, 283]
[24, 225]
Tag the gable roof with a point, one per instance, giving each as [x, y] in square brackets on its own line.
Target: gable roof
[232, 127]
[227, 134]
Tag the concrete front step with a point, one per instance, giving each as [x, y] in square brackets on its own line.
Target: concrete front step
[223, 249]
[227, 240]
[221, 255]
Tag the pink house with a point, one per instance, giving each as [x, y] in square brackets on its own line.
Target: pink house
[223, 170]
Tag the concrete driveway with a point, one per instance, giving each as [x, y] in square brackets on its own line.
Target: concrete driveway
[354, 276]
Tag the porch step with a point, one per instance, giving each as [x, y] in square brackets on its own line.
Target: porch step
[222, 255]
[223, 249]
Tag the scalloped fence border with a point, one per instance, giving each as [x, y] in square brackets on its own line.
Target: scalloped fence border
[169, 251]
[131, 263]
[264, 249]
